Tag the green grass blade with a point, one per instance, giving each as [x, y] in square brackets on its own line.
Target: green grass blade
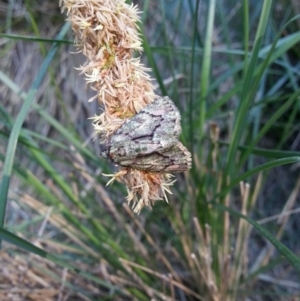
[245, 99]
[29, 247]
[35, 39]
[21, 243]
[148, 52]
[260, 168]
[191, 102]
[246, 33]
[282, 249]
[292, 100]
[60, 128]
[206, 63]
[12, 144]
[267, 153]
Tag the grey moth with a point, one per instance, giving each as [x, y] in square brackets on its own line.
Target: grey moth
[149, 140]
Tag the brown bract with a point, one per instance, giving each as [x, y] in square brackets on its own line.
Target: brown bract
[144, 188]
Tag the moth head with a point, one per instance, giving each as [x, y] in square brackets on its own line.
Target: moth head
[104, 151]
[106, 154]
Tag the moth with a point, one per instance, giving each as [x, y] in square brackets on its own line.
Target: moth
[149, 141]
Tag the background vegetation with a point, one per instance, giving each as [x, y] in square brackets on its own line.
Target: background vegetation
[231, 228]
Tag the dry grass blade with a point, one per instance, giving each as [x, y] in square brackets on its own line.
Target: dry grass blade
[160, 253]
[165, 278]
[22, 280]
[265, 255]
[59, 222]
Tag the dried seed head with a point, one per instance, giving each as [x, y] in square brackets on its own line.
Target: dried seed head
[144, 188]
[106, 32]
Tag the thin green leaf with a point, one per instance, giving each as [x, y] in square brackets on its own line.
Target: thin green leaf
[281, 248]
[12, 144]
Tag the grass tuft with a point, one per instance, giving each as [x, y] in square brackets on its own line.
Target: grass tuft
[230, 230]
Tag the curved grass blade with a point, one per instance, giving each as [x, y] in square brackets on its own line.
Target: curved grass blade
[12, 143]
[62, 130]
[263, 167]
[206, 64]
[267, 153]
[29, 247]
[248, 80]
[282, 249]
[35, 39]
[21, 243]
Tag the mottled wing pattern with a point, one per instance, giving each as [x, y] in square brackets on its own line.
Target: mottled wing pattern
[149, 140]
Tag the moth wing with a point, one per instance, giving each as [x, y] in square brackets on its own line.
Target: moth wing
[174, 159]
[149, 140]
[159, 118]
[120, 151]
